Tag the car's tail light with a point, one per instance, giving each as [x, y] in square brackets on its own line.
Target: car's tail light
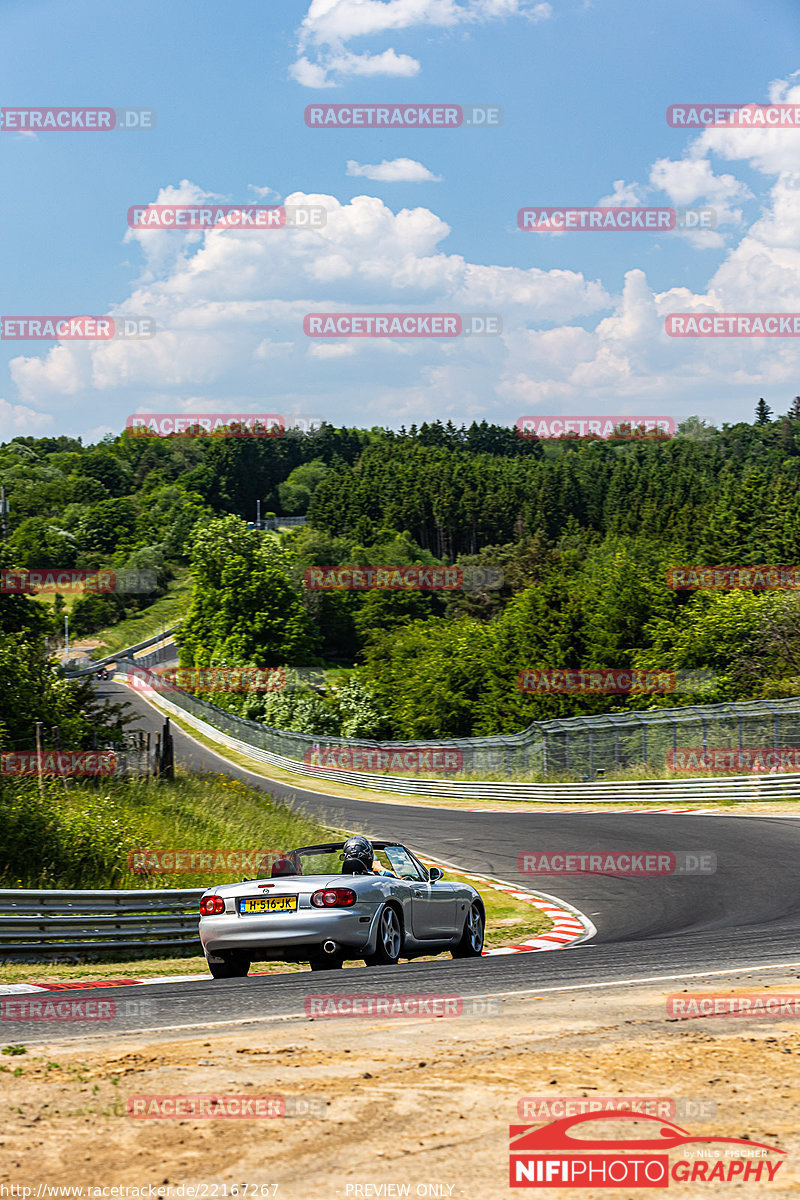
[334, 898]
[211, 906]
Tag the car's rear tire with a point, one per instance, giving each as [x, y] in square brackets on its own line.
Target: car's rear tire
[233, 967]
[471, 944]
[389, 945]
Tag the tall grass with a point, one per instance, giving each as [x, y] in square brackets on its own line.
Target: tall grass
[81, 837]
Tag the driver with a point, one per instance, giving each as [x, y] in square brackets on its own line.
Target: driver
[358, 855]
[359, 858]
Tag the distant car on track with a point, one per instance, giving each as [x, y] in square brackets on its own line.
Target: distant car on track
[317, 907]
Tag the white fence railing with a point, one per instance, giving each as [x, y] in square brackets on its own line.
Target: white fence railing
[639, 791]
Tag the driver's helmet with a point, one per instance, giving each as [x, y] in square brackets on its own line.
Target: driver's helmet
[360, 849]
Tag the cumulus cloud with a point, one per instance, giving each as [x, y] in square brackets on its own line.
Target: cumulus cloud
[329, 25]
[18, 420]
[229, 308]
[395, 170]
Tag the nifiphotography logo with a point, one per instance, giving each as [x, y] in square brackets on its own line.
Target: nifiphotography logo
[591, 1150]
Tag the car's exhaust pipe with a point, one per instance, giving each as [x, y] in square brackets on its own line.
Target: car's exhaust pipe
[329, 947]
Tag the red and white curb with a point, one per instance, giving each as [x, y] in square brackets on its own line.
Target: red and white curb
[579, 811]
[569, 926]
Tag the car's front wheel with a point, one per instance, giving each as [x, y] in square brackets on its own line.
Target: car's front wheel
[471, 944]
[390, 939]
[233, 967]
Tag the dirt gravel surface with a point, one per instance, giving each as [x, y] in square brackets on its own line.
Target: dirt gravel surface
[417, 1103]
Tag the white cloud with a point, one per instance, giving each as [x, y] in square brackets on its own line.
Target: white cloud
[396, 170]
[263, 193]
[17, 419]
[229, 307]
[625, 195]
[330, 24]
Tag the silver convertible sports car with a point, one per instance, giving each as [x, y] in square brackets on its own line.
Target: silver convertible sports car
[322, 904]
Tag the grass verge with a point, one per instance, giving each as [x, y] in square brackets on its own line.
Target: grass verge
[80, 836]
[148, 621]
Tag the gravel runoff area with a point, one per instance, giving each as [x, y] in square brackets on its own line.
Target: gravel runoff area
[421, 1103]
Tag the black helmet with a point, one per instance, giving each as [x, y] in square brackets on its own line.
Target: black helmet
[358, 848]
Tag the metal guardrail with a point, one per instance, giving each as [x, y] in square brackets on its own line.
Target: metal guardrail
[50, 923]
[127, 652]
[639, 791]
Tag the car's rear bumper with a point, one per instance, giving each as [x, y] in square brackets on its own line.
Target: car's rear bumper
[279, 934]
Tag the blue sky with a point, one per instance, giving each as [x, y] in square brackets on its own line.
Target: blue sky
[584, 88]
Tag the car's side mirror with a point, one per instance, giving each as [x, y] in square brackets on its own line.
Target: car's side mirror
[434, 873]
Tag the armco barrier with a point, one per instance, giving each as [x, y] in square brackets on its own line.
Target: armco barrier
[127, 653]
[48, 924]
[255, 742]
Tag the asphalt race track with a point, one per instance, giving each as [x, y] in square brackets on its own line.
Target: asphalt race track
[744, 916]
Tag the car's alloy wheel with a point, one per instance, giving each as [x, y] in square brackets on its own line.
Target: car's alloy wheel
[471, 944]
[390, 940]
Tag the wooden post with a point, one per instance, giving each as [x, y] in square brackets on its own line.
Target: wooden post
[39, 728]
[167, 753]
[56, 734]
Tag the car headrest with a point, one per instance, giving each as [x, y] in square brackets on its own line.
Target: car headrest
[282, 866]
[354, 866]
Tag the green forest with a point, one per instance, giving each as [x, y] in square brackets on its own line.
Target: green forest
[582, 533]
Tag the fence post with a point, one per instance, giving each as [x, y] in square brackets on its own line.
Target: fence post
[39, 727]
[167, 753]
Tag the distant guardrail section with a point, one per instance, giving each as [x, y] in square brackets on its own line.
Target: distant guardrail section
[288, 750]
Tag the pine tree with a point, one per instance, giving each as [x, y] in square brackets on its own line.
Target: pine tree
[763, 412]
